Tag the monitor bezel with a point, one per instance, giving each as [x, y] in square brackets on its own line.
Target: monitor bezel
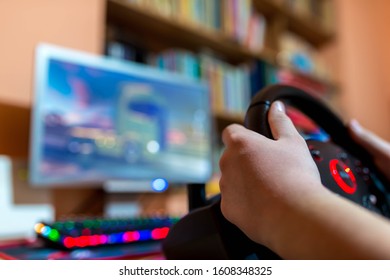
[45, 52]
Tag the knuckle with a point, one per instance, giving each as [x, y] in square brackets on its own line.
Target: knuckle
[233, 134]
[237, 140]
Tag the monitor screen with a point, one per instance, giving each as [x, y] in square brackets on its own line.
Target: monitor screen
[97, 118]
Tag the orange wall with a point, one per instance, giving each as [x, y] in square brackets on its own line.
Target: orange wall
[23, 23]
[363, 50]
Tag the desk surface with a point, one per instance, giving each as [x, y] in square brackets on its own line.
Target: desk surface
[37, 250]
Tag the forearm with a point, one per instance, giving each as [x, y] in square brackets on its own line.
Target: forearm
[327, 226]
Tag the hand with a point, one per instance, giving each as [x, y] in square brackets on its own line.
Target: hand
[377, 147]
[261, 179]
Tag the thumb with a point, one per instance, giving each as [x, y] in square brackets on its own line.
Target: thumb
[280, 124]
[370, 141]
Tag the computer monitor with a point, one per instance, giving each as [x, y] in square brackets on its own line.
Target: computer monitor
[97, 119]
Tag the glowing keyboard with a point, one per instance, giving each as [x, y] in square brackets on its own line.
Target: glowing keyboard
[92, 232]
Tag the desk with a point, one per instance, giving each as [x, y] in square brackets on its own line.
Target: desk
[35, 249]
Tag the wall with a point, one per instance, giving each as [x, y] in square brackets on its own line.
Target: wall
[363, 51]
[23, 24]
[76, 24]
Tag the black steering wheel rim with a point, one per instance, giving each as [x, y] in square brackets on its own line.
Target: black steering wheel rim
[256, 119]
[256, 116]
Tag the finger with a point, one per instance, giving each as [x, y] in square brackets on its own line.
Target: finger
[370, 141]
[280, 124]
[233, 133]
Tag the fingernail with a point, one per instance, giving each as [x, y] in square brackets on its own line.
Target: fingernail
[280, 106]
[354, 124]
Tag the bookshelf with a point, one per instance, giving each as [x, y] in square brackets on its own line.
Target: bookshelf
[157, 31]
[306, 26]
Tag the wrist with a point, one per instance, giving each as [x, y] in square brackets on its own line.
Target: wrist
[290, 214]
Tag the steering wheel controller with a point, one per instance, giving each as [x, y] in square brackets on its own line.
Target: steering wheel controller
[345, 168]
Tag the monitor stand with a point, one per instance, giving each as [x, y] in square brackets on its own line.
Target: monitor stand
[196, 196]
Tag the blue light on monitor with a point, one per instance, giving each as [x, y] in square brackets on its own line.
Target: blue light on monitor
[97, 119]
[159, 185]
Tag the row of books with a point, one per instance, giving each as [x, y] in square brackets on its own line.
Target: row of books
[264, 74]
[235, 18]
[231, 86]
[177, 60]
[205, 12]
[241, 22]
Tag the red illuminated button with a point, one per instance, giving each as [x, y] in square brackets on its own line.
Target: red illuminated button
[343, 176]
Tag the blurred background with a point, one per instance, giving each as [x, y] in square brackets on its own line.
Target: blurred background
[338, 50]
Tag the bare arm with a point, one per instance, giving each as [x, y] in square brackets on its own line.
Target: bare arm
[330, 227]
[271, 189]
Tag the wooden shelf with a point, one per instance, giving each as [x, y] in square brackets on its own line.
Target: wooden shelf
[224, 119]
[147, 24]
[179, 33]
[306, 27]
